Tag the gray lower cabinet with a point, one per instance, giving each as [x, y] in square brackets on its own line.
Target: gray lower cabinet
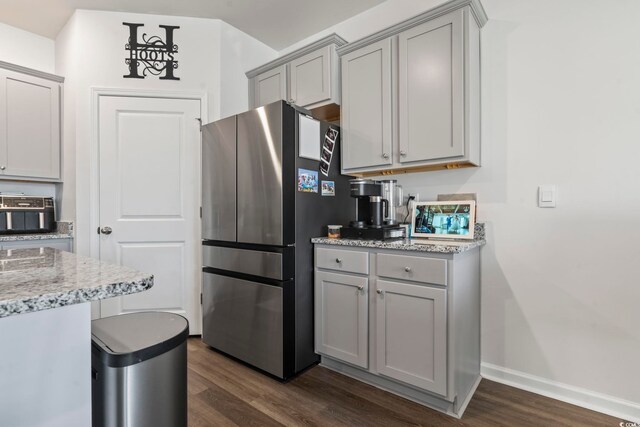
[30, 120]
[405, 321]
[411, 334]
[341, 324]
[62, 244]
[411, 93]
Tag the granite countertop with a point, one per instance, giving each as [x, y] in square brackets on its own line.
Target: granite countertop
[64, 231]
[415, 245]
[41, 279]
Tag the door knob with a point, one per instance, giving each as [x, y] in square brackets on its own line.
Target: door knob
[105, 230]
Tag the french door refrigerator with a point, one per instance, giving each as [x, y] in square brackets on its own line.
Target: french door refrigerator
[262, 203]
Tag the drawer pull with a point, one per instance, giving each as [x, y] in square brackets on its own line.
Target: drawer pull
[361, 288]
[339, 260]
[407, 269]
[380, 292]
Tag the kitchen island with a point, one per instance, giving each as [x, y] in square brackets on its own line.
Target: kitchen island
[45, 326]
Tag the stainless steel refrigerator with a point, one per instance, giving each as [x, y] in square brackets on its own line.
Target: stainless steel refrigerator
[260, 210]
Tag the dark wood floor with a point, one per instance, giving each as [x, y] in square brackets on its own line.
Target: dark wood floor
[223, 392]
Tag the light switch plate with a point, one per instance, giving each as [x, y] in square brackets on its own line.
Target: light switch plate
[547, 196]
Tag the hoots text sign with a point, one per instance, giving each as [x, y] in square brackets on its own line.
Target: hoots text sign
[152, 55]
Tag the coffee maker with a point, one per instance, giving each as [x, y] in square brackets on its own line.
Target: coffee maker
[371, 211]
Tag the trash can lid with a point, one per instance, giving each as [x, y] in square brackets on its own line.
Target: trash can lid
[128, 339]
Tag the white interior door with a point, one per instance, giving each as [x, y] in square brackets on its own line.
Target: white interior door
[150, 197]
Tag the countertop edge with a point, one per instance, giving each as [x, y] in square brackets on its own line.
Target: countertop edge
[401, 245]
[31, 237]
[76, 296]
[64, 230]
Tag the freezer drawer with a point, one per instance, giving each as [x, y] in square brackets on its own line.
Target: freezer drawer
[245, 320]
[255, 263]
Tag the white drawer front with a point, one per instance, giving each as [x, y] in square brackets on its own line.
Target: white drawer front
[341, 260]
[417, 269]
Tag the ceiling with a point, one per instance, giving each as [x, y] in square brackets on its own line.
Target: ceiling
[277, 23]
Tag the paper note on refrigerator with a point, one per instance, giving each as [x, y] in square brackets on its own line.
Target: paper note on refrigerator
[309, 138]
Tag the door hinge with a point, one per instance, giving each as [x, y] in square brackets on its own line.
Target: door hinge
[200, 211]
[200, 298]
[200, 122]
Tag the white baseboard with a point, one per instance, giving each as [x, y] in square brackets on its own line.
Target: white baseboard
[619, 408]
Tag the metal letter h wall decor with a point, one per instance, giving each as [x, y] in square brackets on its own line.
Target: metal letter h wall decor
[153, 55]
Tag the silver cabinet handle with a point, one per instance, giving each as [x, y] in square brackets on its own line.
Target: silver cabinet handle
[403, 153]
[3, 167]
[380, 292]
[339, 260]
[385, 155]
[361, 288]
[106, 230]
[407, 269]
[292, 101]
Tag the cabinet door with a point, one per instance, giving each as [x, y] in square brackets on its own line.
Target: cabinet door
[411, 334]
[431, 79]
[341, 317]
[270, 86]
[30, 119]
[311, 78]
[62, 244]
[366, 107]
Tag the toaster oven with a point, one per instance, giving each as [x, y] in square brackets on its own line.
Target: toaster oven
[27, 214]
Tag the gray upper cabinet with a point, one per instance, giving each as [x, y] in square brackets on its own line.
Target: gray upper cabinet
[366, 107]
[30, 118]
[270, 86]
[311, 81]
[425, 112]
[308, 77]
[431, 101]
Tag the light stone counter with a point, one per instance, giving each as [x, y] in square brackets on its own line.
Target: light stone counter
[64, 231]
[416, 245]
[41, 279]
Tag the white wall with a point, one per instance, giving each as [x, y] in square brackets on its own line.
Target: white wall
[90, 50]
[385, 14]
[560, 287]
[239, 52]
[26, 49]
[67, 60]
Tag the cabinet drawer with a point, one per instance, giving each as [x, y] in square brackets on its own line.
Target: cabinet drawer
[417, 269]
[341, 260]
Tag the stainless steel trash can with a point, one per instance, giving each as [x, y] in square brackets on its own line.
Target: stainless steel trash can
[139, 370]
